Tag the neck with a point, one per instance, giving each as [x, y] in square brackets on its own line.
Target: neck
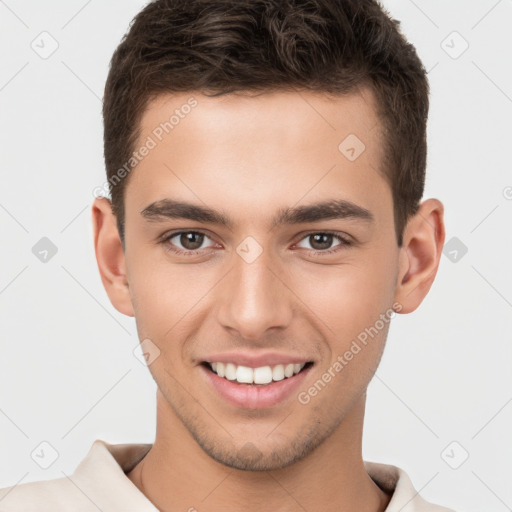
[178, 475]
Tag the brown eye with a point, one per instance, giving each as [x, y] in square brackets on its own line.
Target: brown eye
[323, 242]
[191, 240]
[185, 241]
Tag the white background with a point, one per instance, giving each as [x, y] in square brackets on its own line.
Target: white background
[67, 370]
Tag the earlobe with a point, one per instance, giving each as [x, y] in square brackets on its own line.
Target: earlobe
[110, 256]
[420, 254]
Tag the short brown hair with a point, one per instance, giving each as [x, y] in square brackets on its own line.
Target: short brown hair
[222, 46]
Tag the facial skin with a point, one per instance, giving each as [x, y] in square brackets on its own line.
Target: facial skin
[250, 157]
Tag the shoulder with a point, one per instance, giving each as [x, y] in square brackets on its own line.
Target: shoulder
[396, 482]
[98, 483]
[44, 496]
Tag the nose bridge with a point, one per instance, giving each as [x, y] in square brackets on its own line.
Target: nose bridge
[255, 299]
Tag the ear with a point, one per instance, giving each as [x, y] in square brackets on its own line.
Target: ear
[420, 255]
[110, 255]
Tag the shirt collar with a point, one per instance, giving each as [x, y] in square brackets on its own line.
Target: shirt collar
[115, 460]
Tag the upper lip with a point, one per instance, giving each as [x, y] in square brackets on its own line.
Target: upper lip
[256, 360]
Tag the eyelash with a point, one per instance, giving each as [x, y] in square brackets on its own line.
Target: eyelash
[344, 242]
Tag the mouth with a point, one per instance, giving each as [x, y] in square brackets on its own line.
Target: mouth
[262, 387]
[261, 376]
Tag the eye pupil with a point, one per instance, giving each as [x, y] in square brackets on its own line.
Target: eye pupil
[324, 240]
[191, 241]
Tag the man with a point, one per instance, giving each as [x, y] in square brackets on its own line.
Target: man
[266, 162]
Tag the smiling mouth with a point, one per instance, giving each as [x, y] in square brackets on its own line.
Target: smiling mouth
[261, 376]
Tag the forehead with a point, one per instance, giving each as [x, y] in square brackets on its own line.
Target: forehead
[254, 151]
[231, 117]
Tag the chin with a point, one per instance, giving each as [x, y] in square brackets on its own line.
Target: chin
[257, 456]
[250, 458]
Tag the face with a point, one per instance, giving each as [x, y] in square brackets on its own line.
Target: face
[281, 257]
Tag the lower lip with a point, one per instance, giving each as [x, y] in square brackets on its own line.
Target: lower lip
[255, 397]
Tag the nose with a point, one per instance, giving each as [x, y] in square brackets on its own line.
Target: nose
[254, 298]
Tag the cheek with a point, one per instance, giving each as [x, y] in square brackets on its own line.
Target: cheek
[354, 306]
[161, 293]
[350, 295]
[168, 299]
[349, 299]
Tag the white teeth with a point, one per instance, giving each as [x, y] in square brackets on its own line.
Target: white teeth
[261, 375]
[230, 371]
[244, 375]
[278, 372]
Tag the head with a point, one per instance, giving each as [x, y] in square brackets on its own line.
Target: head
[266, 163]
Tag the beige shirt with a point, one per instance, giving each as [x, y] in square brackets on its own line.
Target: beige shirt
[100, 483]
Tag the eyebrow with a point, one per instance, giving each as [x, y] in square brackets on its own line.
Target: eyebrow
[334, 209]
